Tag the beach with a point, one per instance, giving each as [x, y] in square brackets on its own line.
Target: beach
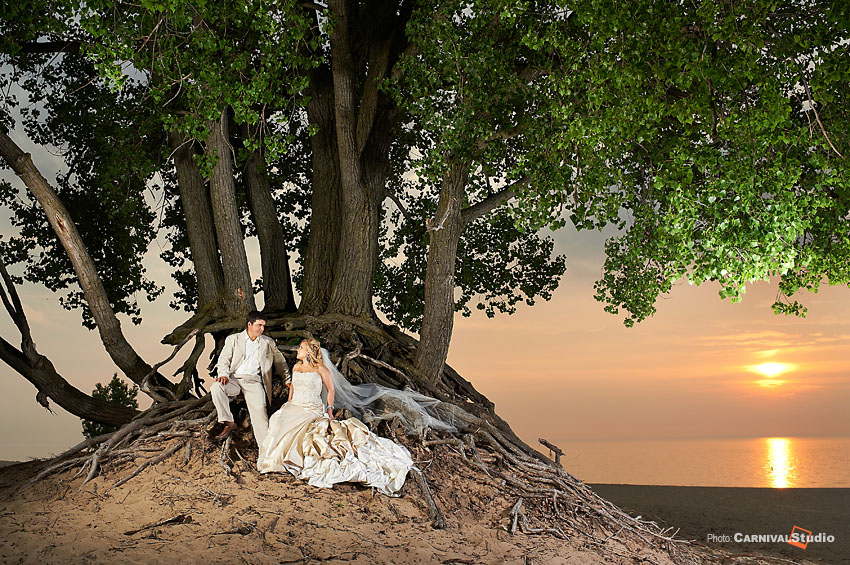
[724, 511]
[194, 513]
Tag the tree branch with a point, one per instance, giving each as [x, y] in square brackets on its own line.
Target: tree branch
[72, 46]
[505, 134]
[491, 202]
[378, 63]
[313, 6]
[59, 218]
[38, 369]
[392, 196]
[817, 117]
[16, 312]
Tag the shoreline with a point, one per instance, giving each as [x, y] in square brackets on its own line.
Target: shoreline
[712, 516]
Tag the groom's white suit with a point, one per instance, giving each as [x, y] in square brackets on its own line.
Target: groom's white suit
[247, 364]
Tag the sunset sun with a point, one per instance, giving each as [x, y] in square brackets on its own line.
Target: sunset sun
[770, 371]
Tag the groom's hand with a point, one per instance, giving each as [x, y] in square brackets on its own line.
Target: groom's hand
[222, 380]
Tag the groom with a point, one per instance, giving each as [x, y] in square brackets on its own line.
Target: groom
[245, 365]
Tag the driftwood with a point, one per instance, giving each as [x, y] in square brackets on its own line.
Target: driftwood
[241, 530]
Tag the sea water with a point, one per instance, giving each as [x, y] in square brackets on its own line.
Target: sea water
[780, 462]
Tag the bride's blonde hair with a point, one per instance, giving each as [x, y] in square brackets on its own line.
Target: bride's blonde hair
[314, 351]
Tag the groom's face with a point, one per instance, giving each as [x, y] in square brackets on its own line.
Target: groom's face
[256, 329]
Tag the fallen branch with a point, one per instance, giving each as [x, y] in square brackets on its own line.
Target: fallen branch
[242, 530]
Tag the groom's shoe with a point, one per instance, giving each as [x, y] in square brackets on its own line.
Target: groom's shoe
[229, 428]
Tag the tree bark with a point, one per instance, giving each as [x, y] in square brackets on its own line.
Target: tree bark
[117, 346]
[438, 315]
[199, 223]
[323, 242]
[238, 289]
[277, 282]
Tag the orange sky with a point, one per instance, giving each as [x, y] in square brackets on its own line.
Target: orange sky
[568, 370]
[561, 370]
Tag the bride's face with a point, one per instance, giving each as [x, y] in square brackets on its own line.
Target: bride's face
[301, 354]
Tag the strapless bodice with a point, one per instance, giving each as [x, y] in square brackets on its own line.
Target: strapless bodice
[307, 388]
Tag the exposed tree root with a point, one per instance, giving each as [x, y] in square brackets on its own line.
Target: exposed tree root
[438, 521]
[549, 500]
[224, 457]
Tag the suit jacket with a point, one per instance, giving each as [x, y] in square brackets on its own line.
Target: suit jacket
[234, 351]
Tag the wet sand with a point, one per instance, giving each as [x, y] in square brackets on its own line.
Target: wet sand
[720, 511]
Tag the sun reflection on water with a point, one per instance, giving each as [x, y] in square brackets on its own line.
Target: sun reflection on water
[780, 468]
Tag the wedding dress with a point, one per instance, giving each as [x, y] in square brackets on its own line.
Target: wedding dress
[304, 441]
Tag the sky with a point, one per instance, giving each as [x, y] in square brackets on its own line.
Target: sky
[563, 370]
[701, 367]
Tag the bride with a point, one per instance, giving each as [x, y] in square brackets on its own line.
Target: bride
[305, 439]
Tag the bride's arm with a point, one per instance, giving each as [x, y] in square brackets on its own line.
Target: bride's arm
[291, 388]
[328, 381]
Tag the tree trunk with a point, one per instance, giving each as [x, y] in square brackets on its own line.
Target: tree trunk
[43, 375]
[323, 242]
[355, 113]
[238, 289]
[199, 223]
[277, 283]
[121, 352]
[354, 273]
[438, 315]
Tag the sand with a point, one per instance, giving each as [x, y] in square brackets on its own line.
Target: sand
[277, 519]
[700, 511]
[262, 519]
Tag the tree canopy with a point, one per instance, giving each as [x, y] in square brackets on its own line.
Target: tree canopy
[411, 156]
[727, 126]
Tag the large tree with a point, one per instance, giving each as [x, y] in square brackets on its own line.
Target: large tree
[409, 154]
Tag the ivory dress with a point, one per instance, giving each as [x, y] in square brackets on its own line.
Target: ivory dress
[304, 441]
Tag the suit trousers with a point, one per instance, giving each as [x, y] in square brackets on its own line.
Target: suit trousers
[255, 397]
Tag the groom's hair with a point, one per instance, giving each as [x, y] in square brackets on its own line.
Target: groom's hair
[253, 316]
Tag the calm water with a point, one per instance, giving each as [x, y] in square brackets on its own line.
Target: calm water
[748, 462]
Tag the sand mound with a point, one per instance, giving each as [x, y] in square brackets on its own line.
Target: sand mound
[266, 518]
[205, 516]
